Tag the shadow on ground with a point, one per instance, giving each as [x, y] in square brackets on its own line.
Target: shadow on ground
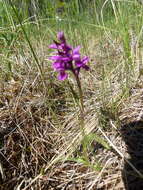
[132, 134]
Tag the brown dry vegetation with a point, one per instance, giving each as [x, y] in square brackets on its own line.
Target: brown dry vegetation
[39, 129]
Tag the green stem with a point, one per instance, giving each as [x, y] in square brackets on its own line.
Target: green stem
[80, 97]
[82, 124]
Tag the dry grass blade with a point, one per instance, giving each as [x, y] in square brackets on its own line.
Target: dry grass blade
[68, 151]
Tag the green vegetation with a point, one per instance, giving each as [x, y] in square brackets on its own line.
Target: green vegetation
[42, 143]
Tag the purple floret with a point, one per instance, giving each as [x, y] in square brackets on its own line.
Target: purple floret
[67, 58]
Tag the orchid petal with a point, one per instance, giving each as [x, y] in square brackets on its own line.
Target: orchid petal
[61, 37]
[53, 46]
[76, 50]
[62, 75]
[55, 57]
[76, 57]
[76, 54]
[85, 60]
[58, 66]
[79, 63]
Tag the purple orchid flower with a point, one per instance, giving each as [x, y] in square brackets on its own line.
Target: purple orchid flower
[67, 58]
